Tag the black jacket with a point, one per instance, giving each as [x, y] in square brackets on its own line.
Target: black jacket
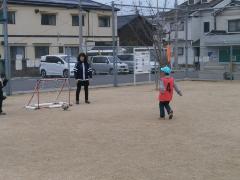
[79, 68]
[3, 83]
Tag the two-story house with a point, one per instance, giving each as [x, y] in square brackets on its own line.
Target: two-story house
[212, 30]
[223, 38]
[37, 28]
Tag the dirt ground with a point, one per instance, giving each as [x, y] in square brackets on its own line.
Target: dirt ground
[119, 136]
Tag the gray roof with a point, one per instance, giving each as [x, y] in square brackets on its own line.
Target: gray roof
[200, 5]
[192, 8]
[87, 4]
[124, 20]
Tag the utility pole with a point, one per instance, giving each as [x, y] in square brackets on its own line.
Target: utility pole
[176, 35]
[80, 15]
[186, 42]
[6, 49]
[115, 82]
[158, 41]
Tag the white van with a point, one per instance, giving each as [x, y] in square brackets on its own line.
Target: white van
[57, 65]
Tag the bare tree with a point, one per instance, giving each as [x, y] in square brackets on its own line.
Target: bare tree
[155, 33]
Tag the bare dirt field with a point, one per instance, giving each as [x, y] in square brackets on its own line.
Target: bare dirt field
[119, 136]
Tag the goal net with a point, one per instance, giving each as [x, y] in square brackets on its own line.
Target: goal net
[50, 93]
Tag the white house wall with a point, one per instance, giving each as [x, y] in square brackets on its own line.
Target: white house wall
[28, 25]
[222, 19]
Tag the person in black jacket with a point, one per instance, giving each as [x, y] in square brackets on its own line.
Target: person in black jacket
[82, 73]
[3, 83]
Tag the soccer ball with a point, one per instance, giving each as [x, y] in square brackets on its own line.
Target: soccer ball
[65, 107]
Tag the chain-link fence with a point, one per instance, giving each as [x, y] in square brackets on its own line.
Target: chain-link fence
[30, 63]
[146, 38]
[134, 64]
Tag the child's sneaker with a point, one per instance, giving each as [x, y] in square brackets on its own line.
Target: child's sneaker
[171, 115]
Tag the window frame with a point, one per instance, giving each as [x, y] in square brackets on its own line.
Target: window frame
[35, 49]
[61, 49]
[204, 27]
[97, 60]
[49, 14]
[14, 20]
[180, 51]
[237, 28]
[104, 16]
[77, 16]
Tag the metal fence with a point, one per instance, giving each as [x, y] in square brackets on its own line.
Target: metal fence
[218, 63]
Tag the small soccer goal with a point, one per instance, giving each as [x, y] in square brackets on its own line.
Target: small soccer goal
[50, 93]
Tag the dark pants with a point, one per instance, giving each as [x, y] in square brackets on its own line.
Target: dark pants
[162, 106]
[79, 87]
[1, 100]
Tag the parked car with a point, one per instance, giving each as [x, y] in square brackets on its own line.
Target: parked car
[129, 60]
[105, 64]
[57, 65]
[152, 66]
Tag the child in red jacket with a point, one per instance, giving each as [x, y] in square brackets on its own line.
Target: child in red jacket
[167, 84]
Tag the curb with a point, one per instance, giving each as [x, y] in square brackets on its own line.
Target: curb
[90, 87]
[126, 84]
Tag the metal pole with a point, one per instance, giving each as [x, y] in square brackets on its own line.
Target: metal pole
[158, 41]
[6, 49]
[80, 27]
[115, 83]
[186, 43]
[176, 36]
[231, 62]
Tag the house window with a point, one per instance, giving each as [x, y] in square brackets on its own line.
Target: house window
[234, 25]
[104, 43]
[60, 49]
[75, 20]
[11, 17]
[104, 21]
[72, 51]
[41, 51]
[17, 50]
[48, 19]
[180, 51]
[206, 27]
[225, 54]
[191, 2]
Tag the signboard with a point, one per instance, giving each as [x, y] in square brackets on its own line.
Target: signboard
[37, 63]
[142, 60]
[30, 63]
[19, 59]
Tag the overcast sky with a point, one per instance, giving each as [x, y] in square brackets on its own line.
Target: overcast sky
[132, 10]
[169, 2]
[124, 10]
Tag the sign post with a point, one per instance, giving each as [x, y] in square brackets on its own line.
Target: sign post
[142, 65]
